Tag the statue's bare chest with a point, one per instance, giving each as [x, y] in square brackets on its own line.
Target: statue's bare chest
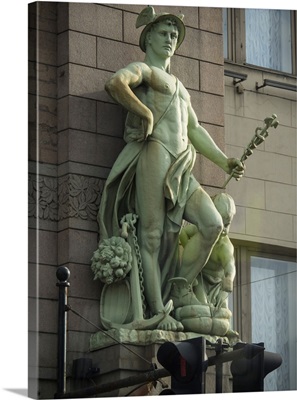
[158, 89]
[162, 82]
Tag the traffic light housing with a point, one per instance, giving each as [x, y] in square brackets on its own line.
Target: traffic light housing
[186, 362]
[249, 373]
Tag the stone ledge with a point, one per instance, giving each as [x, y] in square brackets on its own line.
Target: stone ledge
[101, 340]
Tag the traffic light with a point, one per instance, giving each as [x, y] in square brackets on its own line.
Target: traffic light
[186, 362]
[249, 373]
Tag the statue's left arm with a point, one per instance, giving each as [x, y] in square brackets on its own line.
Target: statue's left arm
[203, 143]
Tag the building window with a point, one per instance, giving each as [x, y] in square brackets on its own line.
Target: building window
[273, 311]
[260, 37]
[265, 309]
[268, 39]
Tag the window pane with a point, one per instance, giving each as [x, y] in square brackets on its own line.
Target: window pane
[273, 292]
[268, 39]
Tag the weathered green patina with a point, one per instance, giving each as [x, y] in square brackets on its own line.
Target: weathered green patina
[151, 189]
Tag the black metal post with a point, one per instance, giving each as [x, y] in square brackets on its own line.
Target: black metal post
[219, 367]
[63, 275]
[92, 391]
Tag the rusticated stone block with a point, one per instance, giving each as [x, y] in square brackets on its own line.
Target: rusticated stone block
[248, 192]
[83, 285]
[47, 79]
[42, 273]
[190, 45]
[78, 80]
[43, 16]
[210, 19]
[110, 119]
[212, 78]
[76, 47]
[86, 147]
[42, 47]
[134, 8]
[63, 17]
[88, 308]
[203, 45]
[70, 252]
[96, 19]
[63, 48]
[187, 70]
[275, 195]
[208, 107]
[211, 47]
[269, 224]
[267, 166]
[260, 105]
[207, 173]
[47, 357]
[217, 133]
[77, 113]
[190, 13]
[285, 144]
[112, 55]
[131, 33]
[46, 253]
[50, 309]
[239, 221]
[42, 129]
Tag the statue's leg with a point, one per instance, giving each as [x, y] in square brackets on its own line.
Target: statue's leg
[201, 212]
[151, 170]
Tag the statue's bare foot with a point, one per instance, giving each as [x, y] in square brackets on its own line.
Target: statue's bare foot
[227, 284]
[170, 324]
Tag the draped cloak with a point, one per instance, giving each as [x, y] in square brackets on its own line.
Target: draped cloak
[119, 198]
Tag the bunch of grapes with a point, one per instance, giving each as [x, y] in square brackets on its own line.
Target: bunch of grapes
[112, 261]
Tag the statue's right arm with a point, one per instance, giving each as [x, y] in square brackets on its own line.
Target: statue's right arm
[226, 255]
[120, 86]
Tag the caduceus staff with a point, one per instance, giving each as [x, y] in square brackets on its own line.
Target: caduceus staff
[259, 137]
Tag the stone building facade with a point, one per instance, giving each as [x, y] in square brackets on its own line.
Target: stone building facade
[75, 134]
[264, 229]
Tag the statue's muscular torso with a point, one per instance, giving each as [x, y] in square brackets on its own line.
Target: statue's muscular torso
[156, 91]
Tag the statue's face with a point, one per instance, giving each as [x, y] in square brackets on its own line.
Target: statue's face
[163, 39]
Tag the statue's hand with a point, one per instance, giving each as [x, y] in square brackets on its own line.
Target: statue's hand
[148, 124]
[236, 168]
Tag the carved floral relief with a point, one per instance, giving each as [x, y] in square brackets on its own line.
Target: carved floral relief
[69, 196]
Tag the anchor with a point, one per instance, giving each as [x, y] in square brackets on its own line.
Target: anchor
[128, 232]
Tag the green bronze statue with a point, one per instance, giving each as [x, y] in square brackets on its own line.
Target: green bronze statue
[151, 189]
[211, 285]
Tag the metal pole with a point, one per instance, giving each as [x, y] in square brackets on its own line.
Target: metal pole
[219, 367]
[149, 376]
[248, 351]
[63, 275]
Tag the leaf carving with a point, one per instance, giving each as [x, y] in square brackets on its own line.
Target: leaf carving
[71, 196]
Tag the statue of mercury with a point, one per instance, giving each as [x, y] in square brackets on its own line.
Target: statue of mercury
[152, 176]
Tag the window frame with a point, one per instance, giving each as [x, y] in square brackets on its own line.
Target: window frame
[242, 293]
[236, 41]
[242, 299]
